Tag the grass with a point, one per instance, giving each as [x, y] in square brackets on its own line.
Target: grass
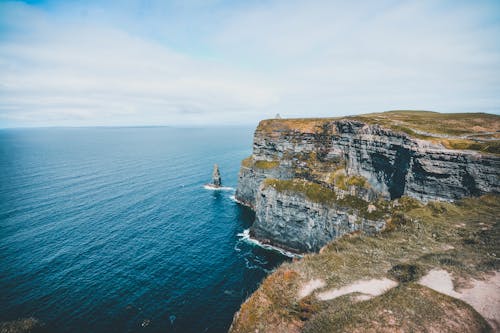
[266, 165]
[305, 125]
[461, 238]
[320, 194]
[407, 308]
[358, 181]
[340, 179]
[312, 191]
[311, 166]
[466, 131]
[249, 162]
[455, 124]
[487, 146]
[433, 124]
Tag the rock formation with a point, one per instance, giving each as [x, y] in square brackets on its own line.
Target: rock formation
[311, 181]
[359, 161]
[216, 179]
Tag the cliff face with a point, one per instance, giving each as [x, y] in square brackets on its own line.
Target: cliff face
[311, 181]
[357, 157]
[294, 222]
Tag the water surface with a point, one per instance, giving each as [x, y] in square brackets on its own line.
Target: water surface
[110, 229]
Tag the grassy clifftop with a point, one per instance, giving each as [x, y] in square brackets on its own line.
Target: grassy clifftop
[461, 238]
[472, 131]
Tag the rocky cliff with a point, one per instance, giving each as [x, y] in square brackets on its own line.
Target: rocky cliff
[369, 159]
[433, 267]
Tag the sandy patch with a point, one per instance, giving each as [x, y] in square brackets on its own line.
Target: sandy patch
[311, 286]
[441, 281]
[369, 289]
[483, 296]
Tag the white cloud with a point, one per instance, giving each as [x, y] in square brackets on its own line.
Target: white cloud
[111, 66]
[348, 58]
[81, 75]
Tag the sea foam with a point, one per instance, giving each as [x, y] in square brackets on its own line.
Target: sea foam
[222, 188]
[245, 236]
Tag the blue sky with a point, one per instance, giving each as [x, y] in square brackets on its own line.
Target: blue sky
[210, 62]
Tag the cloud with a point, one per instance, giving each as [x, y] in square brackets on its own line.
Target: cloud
[97, 75]
[349, 57]
[199, 63]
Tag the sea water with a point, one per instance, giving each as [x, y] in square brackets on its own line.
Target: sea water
[112, 230]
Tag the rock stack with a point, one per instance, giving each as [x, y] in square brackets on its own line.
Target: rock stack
[216, 179]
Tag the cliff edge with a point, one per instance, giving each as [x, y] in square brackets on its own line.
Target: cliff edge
[413, 193]
[313, 180]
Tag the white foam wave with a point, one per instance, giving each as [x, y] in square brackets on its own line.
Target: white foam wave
[249, 265]
[222, 188]
[245, 236]
[233, 197]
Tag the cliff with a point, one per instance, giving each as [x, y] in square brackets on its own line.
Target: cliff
[395, 185]
[368, 158]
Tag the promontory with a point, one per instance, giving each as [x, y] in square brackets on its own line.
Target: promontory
[396, 215]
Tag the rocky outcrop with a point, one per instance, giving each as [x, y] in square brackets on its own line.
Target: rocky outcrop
[292, 221]
[24, 325]
[336, 154]
[216, 179]
[394, 163]
[251, 177]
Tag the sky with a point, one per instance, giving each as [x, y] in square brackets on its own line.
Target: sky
[230, 62]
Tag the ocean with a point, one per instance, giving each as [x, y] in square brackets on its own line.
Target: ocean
[111, 229]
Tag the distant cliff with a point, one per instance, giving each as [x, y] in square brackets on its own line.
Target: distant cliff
[348, 166]
[425, 184]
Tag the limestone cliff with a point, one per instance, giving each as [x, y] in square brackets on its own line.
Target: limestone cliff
[405, 173]
[373, 158]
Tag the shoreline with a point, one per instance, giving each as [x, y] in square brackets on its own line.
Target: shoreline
[246, 236]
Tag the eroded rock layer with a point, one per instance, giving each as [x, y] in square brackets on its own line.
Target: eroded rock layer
[348, 158]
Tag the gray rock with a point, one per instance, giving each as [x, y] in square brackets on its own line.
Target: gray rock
[216, 179]
[394, 164]
[291, 221]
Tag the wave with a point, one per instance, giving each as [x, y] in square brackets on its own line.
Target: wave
[258, 267]
[245, 236]
[222, 188]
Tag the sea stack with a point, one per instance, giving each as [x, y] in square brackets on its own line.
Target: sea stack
[216, 179]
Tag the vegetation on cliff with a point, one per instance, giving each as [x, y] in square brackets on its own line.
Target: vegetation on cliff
[249, 162]
[406, 308]
[323, 195]
[402, 157]
[469, 131]
[461, 238]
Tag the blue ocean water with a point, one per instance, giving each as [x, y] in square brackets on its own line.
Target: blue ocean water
[111, 230]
